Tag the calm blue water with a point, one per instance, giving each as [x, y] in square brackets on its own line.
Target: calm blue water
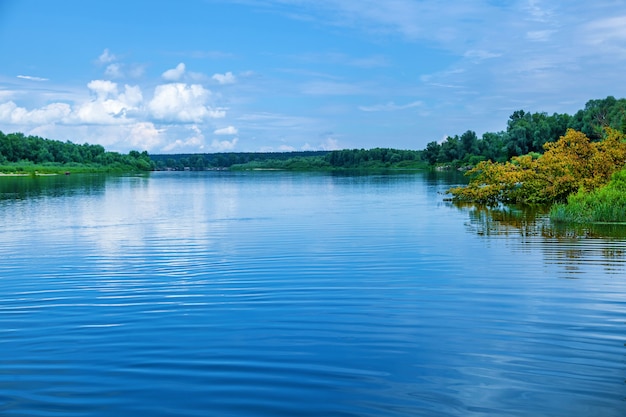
[277, 294]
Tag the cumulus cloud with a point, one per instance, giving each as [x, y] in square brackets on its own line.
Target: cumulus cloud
[102, 88]
[109, 106]
[230, 130]
[174, 74]
[13, 114]
[193, 143]
[329, 144]
[223, 145]
[145, 136]
[182, 103]
[227, 78]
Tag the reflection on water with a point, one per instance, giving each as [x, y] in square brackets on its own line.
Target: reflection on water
[532, 221]
[570, 245]
[26, 187]
[269, 293]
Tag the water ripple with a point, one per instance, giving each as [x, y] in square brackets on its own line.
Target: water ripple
[301, 295]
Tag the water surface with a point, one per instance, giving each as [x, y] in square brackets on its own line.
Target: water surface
[270, 293]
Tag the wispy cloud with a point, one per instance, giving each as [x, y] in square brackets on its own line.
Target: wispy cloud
[32, 78]
[336, 58]
[106, 57]
[390, 106]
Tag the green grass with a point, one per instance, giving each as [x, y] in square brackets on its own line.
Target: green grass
[319, 164]
[30, 168]
[604, 205]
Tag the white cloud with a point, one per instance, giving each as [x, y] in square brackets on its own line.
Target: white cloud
[480, 54]
[174, 74]
[194, 143]
[32, 78]
[230, 130]
[106, 57]
[223, 145]
[109, 107]
[227, 78]
[329, 144]
[114, 71]
[540, 35]
[145, 136]
[102, 88]
[54, 112]
[391, 106]
[612, 29]
[132, 96]
[182, 103]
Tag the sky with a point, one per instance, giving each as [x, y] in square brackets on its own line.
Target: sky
[201, 76]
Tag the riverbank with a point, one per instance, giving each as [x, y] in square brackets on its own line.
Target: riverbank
[28, 169]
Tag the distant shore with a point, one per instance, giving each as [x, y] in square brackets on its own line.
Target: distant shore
[16, 174]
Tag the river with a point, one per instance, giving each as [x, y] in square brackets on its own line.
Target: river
[300, 294]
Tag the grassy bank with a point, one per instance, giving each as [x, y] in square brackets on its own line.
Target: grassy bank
[30, 168]
[603, 205]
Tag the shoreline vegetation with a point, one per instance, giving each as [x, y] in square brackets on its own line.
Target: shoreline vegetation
[22, 155]
[337, 160]
[573, 163]
[582, 181]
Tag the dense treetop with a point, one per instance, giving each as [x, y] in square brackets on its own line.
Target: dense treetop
[568, 165]
[307, 160]
[527, 133]
[16, 148]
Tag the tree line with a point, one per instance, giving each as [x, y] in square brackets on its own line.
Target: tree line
[305, 160]
[17, 148]
[204, 161]
[527, 133]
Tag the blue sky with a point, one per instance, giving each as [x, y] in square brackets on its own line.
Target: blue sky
[281, 75]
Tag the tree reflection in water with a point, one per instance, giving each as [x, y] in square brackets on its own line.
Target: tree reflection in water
[575, 247]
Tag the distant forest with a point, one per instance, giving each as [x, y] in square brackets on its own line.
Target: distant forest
[305, 160]
[525, 133]
[203, 161]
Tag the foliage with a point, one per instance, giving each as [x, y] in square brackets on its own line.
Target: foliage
[201, 162]
[377, 158]
[373, 158]
[528, 132]
[572, 163]
[298, 163]
[605, 204]
[600, 114]
[28, 153]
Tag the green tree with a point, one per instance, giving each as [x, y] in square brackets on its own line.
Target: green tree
[570, 164]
